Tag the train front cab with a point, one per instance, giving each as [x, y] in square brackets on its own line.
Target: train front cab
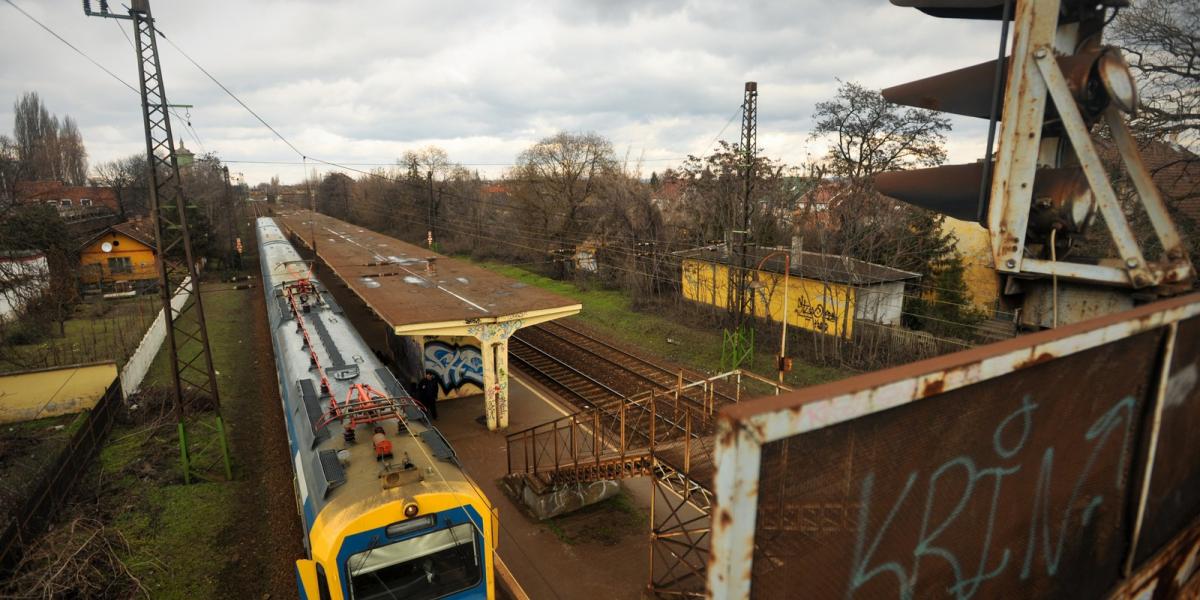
[384, 554]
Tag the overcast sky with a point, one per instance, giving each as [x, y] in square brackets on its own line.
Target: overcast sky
[364, 81]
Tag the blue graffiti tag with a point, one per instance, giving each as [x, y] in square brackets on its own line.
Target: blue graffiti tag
[454, 365]
[1053, 525]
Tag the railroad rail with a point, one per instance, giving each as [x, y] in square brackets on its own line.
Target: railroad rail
[590, 372]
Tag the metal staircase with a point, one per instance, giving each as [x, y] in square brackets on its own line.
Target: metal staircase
[667, 436]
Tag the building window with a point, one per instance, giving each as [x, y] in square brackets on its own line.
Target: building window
[120, 264]
[85, 201]
[64, 202]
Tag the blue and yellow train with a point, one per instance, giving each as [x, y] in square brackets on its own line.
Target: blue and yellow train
[387, 510]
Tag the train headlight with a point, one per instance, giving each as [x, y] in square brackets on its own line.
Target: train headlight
[411, 509]
[403, 527]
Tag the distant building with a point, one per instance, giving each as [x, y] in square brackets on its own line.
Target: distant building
[184, 157]
[825, 293]
[69, 200]
[24, 276]
[121, 256]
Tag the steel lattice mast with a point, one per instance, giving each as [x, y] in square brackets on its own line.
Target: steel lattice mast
[193, 375]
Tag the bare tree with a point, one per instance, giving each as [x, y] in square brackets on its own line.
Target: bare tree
[45, 148]
[72, 155]
[333, 195]
[127, 178]
[870, 135]
[1162, 40]
[552, 181]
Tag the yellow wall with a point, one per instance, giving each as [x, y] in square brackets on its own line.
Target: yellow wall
[140, 255]
[51, 392]
[974, 242]
[812, 305]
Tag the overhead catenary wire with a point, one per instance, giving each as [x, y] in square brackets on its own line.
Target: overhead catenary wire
[860, 292]
[304, 157]
[94, 62]
[823, 274]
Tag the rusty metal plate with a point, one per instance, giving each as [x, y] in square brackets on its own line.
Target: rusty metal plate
[1174, 497]
[1016, 487]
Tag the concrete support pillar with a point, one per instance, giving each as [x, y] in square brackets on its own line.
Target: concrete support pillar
[490, 386]
[493, 346]
[501, 349]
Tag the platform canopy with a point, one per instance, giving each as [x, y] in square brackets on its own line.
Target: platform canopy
[417, 291]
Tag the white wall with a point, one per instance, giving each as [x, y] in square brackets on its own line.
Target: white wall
[880, 303]
[28, 277]
[138, 365]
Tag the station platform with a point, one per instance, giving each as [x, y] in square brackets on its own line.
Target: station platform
[443, 315]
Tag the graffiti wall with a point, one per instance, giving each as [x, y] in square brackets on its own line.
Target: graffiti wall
[456, 363]
[813, 305]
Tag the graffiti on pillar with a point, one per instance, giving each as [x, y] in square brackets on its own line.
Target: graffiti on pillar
[495, 331]
[502, 382]
[454, 365]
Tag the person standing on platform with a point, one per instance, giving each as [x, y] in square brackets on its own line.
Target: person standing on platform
[427, 394]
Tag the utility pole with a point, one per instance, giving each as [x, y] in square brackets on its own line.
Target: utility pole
[432, 213]
[192, 374]
[738, 345]
[228, 217]
[749, 148]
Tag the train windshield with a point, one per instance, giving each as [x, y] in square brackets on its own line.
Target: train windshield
[429, 566]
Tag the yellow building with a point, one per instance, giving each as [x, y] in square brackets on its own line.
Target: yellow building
[825, 293]
[979, 273]
[121, 256]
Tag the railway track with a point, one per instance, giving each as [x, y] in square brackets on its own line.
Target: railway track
[590, 372]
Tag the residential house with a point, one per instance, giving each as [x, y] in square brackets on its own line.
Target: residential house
[69, 200]
[120, 257]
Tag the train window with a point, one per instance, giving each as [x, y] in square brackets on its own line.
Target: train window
[428, 566]
[322, 584]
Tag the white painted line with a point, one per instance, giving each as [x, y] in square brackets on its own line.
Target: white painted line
[535, 392]
[407, 270]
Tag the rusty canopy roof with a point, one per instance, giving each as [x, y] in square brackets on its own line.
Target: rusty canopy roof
[416, 290]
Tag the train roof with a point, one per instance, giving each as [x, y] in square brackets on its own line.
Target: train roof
[333, 473]
[416, 290]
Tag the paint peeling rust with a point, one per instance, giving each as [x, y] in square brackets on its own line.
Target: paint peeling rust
[1036, 360]
[934, 386]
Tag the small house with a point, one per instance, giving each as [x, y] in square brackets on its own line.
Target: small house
[121, 257]
[825, 293]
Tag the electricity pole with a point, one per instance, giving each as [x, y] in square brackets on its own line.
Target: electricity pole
[192, 375]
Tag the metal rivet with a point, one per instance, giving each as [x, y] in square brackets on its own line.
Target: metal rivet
[1131, 263]
[1010, 263]
[1039, 53]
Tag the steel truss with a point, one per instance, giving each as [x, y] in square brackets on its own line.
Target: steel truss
[193, 377]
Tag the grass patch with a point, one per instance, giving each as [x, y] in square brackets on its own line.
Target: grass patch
[605, 523]
[99, 329]
[611, 312]
[175, 531]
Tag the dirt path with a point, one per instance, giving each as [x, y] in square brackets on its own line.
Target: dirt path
[264, 539]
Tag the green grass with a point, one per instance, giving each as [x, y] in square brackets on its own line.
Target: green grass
[175, 530]
[605, 522]
[98, 330]
[611, 312]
